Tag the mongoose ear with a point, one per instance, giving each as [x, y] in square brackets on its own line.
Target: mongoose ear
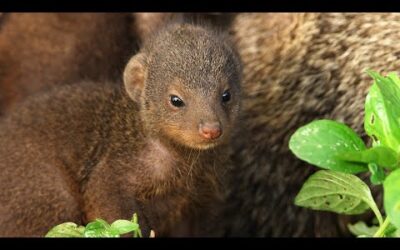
[134, 75]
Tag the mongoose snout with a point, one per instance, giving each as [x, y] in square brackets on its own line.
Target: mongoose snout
[210, 130]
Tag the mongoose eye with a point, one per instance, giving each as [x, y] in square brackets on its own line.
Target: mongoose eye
[176, 101]
[226, 96]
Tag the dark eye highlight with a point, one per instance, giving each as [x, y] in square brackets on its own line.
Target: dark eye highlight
[226, 96]
[176, 101]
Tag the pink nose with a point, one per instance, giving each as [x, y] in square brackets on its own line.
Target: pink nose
[210, 130]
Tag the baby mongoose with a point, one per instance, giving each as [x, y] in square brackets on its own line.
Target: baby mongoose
[155, 147]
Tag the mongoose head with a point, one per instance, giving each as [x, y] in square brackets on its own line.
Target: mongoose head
[187, 80]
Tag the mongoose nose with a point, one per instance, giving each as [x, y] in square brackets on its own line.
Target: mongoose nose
[210, 130]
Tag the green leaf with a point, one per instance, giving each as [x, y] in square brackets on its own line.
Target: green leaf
[392, 231]
[67, 229]
[336, 192]
[99, 228]
[361, 229]
[382, 112]
[383, 156]
[391, 198]
[320, 141]
[377, 174]
[124, 226]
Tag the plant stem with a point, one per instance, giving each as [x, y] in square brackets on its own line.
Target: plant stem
[137, 232]
[382, 228]
[376, 211]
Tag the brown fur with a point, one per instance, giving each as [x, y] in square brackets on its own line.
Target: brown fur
[298, 68]
[38, 50]
[91, 150]
[146, 23]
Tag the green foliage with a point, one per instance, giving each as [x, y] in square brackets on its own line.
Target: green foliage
[67, 229]
[97, 229]
[336, 192]
[124, 226]
[382, 112]
[334, 146]
[319, 143]
[379, 155]
[362, 230]
[391, 188]
[377, 174]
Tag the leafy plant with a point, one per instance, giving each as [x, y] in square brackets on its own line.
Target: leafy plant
[96, 229]
[342, 154]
